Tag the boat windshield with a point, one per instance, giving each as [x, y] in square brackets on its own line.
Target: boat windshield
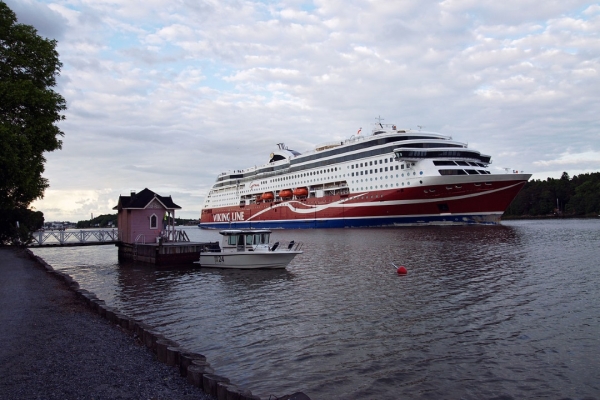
[250, 239]
[257, 238]
[263, 237]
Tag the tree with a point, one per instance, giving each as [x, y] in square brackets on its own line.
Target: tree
[29, 111]
[102, 221]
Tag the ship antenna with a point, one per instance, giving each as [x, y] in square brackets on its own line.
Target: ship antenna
[379, 119]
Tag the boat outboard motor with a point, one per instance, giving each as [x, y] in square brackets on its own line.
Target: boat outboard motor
[275, 245]
[291, 245]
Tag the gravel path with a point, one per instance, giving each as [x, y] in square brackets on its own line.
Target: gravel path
[52, 346]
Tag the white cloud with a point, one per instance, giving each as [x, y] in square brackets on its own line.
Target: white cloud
[570, 159]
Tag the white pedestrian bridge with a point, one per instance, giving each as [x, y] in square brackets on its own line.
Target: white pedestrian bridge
[83, 237]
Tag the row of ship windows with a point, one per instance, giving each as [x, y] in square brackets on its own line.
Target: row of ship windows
[286, 178]
[454, 187]
[371, 171]
[357, 165]
[463, 172]
[391, 176]
[461, 163]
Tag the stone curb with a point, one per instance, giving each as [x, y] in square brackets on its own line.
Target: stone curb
[193, 366]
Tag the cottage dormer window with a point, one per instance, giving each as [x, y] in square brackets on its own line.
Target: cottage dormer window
[153, 221]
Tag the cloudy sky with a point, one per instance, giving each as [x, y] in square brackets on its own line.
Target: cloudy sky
[166, 94]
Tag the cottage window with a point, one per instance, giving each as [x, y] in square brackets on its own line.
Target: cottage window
[153, 221]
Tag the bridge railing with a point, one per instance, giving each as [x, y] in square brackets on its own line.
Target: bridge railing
[41, 238]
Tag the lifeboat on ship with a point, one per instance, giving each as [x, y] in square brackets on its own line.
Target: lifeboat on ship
[301, 192]
[267, 196]
[258, 199]
[285, 194]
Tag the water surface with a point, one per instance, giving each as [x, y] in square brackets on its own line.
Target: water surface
[509, 311]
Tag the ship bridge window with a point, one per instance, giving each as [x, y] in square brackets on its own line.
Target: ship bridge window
[277, 157]
[440, 163]
[482, 172]
[463, 163]
[452, 172]
[471, 172]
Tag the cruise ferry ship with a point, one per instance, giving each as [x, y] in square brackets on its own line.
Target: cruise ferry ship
[390, 177]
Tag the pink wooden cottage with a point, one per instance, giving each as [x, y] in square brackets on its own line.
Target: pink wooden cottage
[147, 231]
[145, 216]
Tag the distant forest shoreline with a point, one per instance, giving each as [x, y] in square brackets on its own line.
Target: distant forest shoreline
[565, 197]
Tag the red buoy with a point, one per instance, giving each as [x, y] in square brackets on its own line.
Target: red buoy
[402, 271]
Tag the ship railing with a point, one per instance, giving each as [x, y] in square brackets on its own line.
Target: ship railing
[292, 246]
[354, 138]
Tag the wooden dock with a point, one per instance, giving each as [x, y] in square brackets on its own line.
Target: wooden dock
[162, 253]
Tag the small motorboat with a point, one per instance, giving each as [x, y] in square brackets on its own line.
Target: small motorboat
[247, 249]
